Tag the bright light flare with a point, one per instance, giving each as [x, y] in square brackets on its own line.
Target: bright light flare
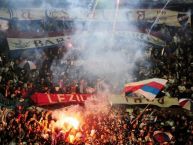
[72, 121]
[67, 122]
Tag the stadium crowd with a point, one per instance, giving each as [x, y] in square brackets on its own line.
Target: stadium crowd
[18, 81]
[115, 127]
[53, 74]
[174, 62]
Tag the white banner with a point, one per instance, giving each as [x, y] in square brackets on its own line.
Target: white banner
[121, 100]
[22, 14]
[141, 36]
[23, 43]
[168, 17]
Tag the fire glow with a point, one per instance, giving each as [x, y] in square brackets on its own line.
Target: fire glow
[67, 123]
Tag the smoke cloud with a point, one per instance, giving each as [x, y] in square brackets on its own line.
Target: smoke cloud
[102, 52]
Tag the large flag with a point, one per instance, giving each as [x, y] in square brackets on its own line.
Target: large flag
[148, 88]
[186, 103]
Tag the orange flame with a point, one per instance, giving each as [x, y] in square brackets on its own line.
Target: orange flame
[67, 122]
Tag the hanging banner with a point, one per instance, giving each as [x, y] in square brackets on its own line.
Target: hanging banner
[159, 16]
[160, 102]
[22, 14]
[141, 37]
[41, 99]
[168, 17]
[41, 13]
[23, 43]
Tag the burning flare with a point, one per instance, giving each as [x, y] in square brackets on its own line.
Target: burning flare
[67, 123]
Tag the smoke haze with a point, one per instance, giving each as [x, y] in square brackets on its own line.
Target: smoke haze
[103, 53]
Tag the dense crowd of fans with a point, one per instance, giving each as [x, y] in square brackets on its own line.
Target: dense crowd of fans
[53, 74]
[18, 81]
[114, 127]
[174, 62]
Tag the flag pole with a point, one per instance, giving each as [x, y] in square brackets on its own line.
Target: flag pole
[140, 114]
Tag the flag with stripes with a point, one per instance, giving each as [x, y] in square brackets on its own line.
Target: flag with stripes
[148, 88]
[186, 103]
[162, 137]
